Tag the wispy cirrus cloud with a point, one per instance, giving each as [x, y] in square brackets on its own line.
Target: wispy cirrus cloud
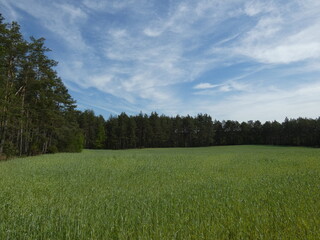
[60, 18]
[205, 86]
[276, 103]
[284, 34]
[182, 56]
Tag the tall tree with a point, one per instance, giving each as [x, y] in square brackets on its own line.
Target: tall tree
[13, 48]
[34, 103]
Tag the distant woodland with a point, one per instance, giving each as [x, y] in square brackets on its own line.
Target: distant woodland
[123, 131]
[37, 114]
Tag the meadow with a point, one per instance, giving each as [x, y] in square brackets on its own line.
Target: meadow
[231, 192]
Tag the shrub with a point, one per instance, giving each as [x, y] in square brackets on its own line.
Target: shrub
[10, 150]
[52, 149]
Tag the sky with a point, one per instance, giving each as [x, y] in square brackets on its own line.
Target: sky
[234, 59]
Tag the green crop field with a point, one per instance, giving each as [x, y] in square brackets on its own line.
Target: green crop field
[234, 192]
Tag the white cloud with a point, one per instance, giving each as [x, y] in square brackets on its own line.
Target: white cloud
[265, 104]
[144, 55]
[300, 46]
[11, 14]
[225, 88]
[74, 13]
[207, 89]
[152, 32]
[285, 33]
[164, 59]
[61, 19]
[205, 86]
[253, 8]
[160, 61]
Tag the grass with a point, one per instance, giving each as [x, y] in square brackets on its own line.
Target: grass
[234, 192]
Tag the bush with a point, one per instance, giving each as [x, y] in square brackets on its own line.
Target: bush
[10, 150]
[52, 149]
[35, 149]
[70, 140]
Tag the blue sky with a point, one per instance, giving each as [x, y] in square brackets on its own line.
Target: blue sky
[233, 59]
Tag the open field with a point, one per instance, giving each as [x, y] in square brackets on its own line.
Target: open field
[234, 192]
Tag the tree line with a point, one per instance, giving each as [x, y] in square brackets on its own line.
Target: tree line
[37, 114]
[154, 130]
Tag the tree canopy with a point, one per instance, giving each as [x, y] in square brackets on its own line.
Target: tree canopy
[37, 114]
[148, 131]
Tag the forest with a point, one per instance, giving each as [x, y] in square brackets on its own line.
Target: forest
[38, 115]
[154, 131]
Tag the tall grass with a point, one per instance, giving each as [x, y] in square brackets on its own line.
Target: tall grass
[237, 192]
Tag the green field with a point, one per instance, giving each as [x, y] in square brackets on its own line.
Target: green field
[234, 192]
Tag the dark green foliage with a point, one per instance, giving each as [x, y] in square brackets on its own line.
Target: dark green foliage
[9, 149]
[53, 149]
[36, 111]
[141, 131]
[70, 140]
[93, 129]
